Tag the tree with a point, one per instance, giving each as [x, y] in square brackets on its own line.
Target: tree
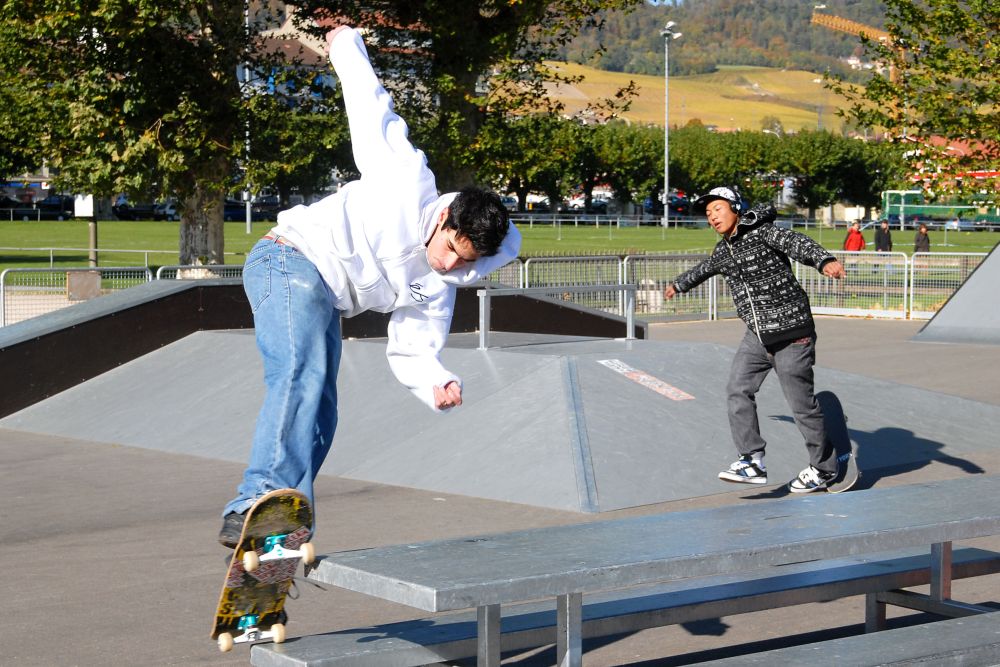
[701, 160]
[528, 153]
[632, 158]
[868, 169]
[466, 64]
[940, 94]
[815, 160]
[141, 98]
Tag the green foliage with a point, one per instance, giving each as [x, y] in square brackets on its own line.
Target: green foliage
[448, 47]
[827, 167]
[943, 87]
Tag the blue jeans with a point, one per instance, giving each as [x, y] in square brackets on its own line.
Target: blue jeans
[793, 362]
[298, 335]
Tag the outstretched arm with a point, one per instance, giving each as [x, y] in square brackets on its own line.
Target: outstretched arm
[379, 137]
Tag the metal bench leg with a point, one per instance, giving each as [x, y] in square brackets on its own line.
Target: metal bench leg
[488, 626]
[941, 571]
[569, 640]
[484, 320]
[874, 613]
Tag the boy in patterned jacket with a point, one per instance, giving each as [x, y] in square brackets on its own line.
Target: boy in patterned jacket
[753, 255]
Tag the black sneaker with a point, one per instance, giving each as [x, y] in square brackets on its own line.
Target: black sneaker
[811, 479]
[745, 471]
[232, 528]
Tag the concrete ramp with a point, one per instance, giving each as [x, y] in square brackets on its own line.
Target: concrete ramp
[972, 314]
[575, 424]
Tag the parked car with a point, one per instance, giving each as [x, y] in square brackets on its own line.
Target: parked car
[264, 208]
[509, 203]
[961, 224]
[678, 206]
[166, 210]
[598, 205]
[126, 210]
[56, 207]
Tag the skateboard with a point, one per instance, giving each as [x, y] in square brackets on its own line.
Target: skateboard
[836, 431]
[275, 538]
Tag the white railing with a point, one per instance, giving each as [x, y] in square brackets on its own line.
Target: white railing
[874, 285]
[885, 285]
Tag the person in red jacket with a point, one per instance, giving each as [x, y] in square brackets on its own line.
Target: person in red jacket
[854, 240]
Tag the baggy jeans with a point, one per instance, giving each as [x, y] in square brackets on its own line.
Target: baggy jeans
[297, 329]
[793, 362]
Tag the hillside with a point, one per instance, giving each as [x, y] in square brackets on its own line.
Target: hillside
[731, 98]
[772, 33]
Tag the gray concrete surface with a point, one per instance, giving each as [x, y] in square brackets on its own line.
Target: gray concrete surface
[108, 553]
[583, 425]
[966, 317]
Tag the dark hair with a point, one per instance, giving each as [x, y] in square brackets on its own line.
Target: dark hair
[479, 216]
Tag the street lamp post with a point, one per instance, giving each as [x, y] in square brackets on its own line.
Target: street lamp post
[668, 34]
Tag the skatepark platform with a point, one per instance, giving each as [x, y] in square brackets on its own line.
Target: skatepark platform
[110, 491]
[579, 424]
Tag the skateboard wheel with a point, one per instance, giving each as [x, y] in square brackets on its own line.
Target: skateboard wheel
[225, 642]
[308, 553]
[278, 633]
[251, 561]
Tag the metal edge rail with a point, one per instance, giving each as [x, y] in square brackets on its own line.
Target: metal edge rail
[486, 294]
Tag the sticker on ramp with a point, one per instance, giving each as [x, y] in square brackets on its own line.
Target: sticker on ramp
[647, 380]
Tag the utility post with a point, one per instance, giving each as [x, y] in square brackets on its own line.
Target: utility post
[668, 34]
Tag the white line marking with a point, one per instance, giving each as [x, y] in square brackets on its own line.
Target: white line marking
[647, 380]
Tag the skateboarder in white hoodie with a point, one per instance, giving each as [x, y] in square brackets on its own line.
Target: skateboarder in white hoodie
[387, 242]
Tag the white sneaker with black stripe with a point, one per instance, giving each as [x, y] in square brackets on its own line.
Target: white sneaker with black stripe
[811, 479]
[746, 470]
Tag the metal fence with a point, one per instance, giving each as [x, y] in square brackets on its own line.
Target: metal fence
[875, 284]
[27, 293]
[934, 277]
[558, 272]
[652, 273]
[190, 272]
[886, 285]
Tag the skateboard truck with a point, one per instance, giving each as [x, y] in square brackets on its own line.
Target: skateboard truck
[274, 549]
[251, 633]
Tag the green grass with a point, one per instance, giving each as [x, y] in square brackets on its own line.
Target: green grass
[161, 238]
[543, 240]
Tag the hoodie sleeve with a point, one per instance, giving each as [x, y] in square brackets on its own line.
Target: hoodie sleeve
[378, 135]
[484, 266]
[416, 338]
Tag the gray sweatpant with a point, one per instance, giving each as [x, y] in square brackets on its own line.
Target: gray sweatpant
[792, 361]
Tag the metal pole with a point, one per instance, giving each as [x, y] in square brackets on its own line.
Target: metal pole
[668, 34]
[666, 127]
[246, 88]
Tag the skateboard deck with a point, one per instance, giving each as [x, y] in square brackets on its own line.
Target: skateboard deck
[837, 432]
[275, 538]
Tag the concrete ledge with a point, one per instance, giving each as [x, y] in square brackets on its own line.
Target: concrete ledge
[48, 354]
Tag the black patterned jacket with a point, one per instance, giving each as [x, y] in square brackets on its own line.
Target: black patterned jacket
[755, 262]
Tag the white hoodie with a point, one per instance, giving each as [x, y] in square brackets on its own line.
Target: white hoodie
[368, 240]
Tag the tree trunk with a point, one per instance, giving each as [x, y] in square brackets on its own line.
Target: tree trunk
[202, 229]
